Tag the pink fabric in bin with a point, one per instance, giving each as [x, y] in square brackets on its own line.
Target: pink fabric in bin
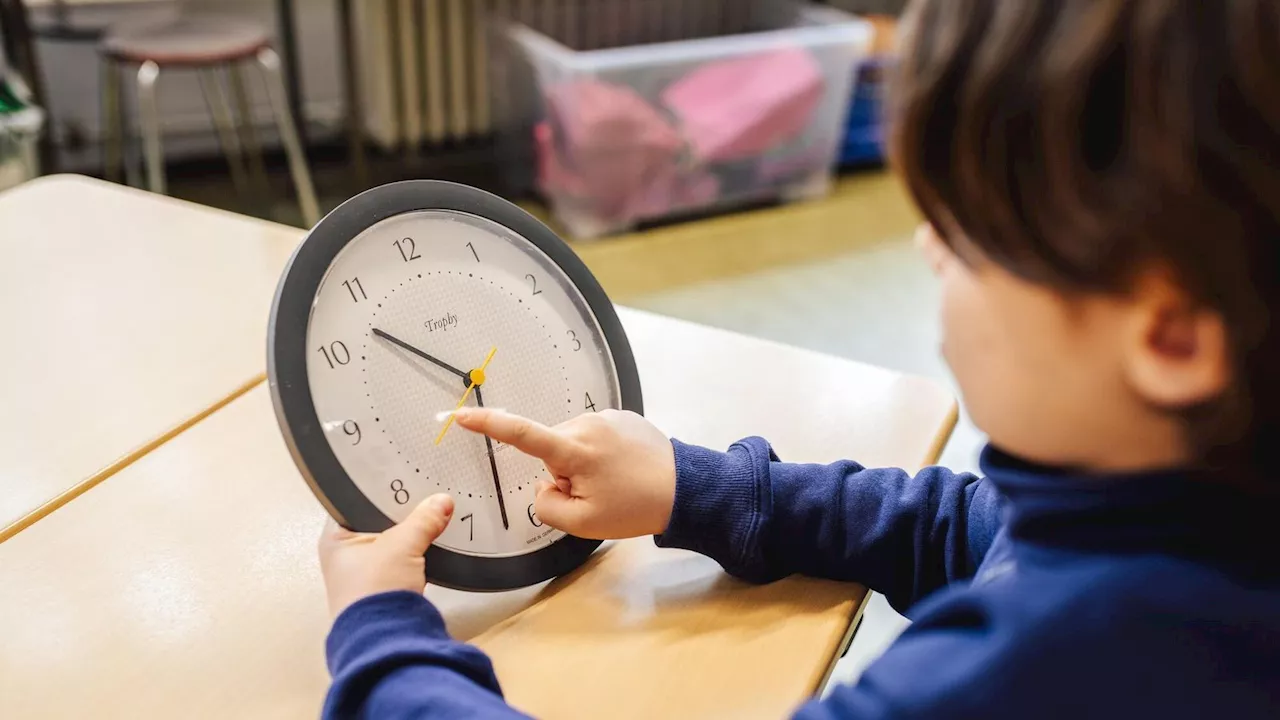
[736, 109]
[668, 190]
[612, 140]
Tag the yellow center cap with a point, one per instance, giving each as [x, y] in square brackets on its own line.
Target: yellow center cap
[477, 376]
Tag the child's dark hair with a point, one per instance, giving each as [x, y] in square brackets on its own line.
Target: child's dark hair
[1074, 142]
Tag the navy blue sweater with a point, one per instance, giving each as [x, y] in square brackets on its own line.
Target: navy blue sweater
[1034, 592]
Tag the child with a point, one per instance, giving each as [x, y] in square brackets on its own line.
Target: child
[1102, 181]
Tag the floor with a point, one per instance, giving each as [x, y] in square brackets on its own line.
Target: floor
[837, 275]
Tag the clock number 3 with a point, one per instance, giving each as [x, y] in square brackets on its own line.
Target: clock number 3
[398, 492]
[573, 338]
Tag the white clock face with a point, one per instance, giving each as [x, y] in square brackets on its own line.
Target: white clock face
[408, 307]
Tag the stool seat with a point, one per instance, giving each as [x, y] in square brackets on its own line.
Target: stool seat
[189, 41]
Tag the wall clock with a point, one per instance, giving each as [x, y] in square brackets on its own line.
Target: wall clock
[397, 305]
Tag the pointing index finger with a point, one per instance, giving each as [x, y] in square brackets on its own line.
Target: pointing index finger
[525, 435]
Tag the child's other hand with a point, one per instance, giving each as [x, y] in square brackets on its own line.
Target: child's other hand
[615, 473]
[357, 565]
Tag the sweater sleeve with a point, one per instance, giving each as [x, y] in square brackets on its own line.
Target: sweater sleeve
[762, 520]
[391, 657]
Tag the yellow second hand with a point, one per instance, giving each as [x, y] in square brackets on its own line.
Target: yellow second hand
[477, 378]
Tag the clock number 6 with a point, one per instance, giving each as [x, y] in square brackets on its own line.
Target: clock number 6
[399, 493]
[335, 353]
[533, 517]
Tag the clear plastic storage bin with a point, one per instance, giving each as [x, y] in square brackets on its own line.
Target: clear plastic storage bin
[627, 135]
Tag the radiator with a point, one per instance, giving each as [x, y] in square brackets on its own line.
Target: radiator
[425, 64]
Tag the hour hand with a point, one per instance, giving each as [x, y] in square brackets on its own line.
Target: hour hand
[419, 353]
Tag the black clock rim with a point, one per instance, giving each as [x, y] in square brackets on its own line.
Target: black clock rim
[290, 387]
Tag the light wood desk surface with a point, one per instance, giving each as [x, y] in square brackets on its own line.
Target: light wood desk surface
[187, 585]
[126, 316]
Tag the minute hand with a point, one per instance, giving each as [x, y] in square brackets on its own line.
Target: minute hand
[493, 465]
[419, 353]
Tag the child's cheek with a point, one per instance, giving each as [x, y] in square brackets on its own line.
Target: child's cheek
[968, 345]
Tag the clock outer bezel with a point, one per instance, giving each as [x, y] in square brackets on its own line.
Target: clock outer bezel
[291, 389]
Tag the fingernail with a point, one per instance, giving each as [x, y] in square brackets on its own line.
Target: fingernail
[543, 486]
[461, 414]
[441, 503]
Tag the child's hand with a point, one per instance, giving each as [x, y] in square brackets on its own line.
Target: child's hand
[357, 565]
[615, 473]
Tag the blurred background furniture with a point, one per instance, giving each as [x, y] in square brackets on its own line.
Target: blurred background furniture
[217, 49]
[21, 126]
[15, 33]
[680, 120]
[379, 90]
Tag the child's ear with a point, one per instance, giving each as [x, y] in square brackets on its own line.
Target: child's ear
[1176, 351]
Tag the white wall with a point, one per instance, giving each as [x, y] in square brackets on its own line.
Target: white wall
[73, 76]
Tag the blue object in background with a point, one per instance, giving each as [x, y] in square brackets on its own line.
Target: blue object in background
[864, 131]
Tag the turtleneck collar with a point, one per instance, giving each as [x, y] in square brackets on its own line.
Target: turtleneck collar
[1173, 512]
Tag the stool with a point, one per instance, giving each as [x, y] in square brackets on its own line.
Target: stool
[211, 47]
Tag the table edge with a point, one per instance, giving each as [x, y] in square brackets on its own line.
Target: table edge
[77, 489]
[940, 440]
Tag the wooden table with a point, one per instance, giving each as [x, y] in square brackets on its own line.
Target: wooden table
[127, 317]
[188, 586]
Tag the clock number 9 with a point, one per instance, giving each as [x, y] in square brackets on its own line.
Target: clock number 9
[352, 428]
[399, 493]
[336, 353]
[533, 516]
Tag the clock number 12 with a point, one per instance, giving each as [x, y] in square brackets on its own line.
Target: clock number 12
[412, 254]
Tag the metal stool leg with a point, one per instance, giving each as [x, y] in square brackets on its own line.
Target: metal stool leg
[111, 121]
[148, 73]
[220, 111]
[270, 64]
[247, 132]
